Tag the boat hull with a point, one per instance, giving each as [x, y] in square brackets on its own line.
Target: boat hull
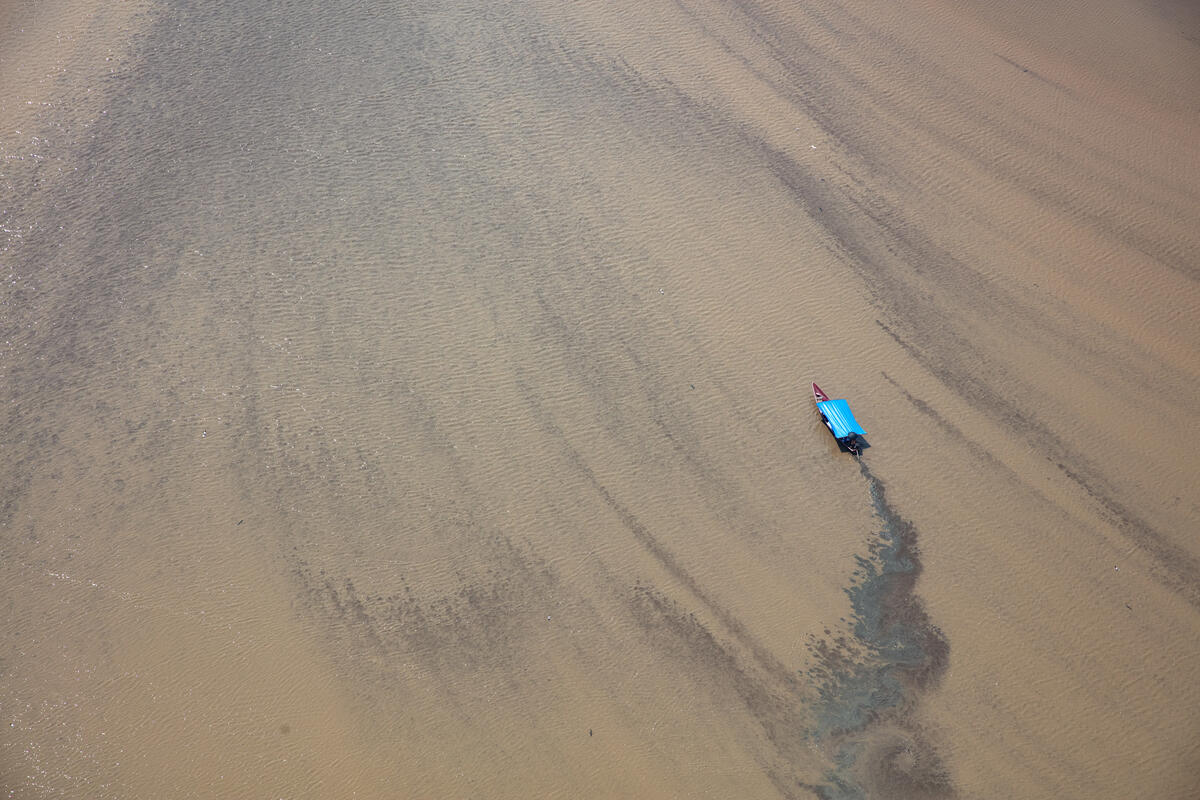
[839, 420]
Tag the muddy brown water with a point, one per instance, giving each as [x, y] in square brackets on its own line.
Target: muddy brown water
[413, 400]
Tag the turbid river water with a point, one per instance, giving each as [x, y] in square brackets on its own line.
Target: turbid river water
[412, 399]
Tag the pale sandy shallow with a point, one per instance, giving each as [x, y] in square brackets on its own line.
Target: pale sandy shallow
[416, 403]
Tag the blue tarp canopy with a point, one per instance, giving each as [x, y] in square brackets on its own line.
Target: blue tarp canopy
[840, 418]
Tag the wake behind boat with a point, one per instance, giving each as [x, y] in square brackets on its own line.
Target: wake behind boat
[840, 420]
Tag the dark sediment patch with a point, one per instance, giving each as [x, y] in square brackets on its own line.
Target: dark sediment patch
[869, 678]
[471, 622]
[1032, 74]
[858, 699]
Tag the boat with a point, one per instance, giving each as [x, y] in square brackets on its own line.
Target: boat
[838, 417]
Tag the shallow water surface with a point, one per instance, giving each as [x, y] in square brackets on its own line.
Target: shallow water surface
[412, 400]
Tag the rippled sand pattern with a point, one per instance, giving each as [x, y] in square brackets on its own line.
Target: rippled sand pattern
[411, 400]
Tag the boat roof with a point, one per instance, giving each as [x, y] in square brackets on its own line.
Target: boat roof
[841, 419]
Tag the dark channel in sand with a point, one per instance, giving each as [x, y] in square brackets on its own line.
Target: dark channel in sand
[870, 681]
